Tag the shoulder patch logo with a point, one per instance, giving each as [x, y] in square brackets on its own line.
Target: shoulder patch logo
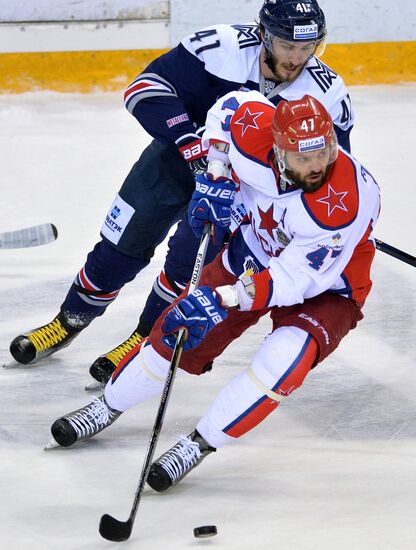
[248, 120]
[322, 75]
[248, 35]
[335, 205]
[334, 200]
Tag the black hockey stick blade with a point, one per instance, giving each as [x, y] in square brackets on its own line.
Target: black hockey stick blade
[112, 529]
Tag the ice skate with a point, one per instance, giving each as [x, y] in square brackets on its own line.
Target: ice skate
[170, 468]
[104, 366]
[32, 346]
[82, 423]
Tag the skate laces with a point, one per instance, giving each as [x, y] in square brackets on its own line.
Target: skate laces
[92, 418]
[48, 336]
[182, 457]
[117, 354]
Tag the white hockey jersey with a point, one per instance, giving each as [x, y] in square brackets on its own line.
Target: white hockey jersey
[309, 243]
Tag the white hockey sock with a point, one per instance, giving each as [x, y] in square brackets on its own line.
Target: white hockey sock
[141, 379]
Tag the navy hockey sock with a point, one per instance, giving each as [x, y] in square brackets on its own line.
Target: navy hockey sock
[155, 305]
[99, 281]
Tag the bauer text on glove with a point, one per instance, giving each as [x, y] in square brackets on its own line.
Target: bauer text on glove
[198, 313]
[194, 154]
[211, 203]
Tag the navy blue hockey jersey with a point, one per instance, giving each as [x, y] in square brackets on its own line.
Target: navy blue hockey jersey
[171, 97]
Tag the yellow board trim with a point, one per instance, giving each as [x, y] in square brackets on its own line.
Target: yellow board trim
[83, 72]
[86, 72]
[373, 62]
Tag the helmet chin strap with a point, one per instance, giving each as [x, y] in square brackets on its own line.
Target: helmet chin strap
[268, 59]
[281, 166]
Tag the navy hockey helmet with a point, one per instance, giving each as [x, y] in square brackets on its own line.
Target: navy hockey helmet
[292, 21]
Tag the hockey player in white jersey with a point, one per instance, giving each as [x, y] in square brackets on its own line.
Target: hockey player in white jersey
[301, 249]
[280, 58]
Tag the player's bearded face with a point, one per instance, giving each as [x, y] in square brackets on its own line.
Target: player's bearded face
[308, 171]
[289, 58]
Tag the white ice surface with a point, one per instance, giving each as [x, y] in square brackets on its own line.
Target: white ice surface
[334, 468]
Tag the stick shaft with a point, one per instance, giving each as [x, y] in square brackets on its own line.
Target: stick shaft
[177, 352]
[395, 252]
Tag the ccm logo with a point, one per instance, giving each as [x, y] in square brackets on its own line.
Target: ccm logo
[214, 191]
[208, 307]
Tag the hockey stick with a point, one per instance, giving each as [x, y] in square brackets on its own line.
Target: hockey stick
[28, 237]
[111, 528]
[396, 253]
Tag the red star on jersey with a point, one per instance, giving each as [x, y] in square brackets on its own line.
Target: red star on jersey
[248, 120]
[334, 200]
[267, 221]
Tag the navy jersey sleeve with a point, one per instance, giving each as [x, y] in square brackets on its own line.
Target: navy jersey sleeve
[156, 97]
[171, 97]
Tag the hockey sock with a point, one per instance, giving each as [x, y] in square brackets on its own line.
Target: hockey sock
[164, 291]
[98, 283]
[279, 367]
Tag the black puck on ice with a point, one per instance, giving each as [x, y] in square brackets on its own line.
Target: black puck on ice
[205, 531]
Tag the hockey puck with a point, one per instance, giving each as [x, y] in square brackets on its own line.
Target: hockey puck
[205, 531]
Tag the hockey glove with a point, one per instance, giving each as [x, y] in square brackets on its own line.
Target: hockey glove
[198, 166]
[248, 293]
[211, 203]
[195, 156]
[198, 313]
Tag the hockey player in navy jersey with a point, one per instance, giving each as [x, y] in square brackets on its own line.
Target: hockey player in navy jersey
[302, 252]
[170, 99]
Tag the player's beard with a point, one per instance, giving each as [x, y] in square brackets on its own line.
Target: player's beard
[305, 183]
[273, 63]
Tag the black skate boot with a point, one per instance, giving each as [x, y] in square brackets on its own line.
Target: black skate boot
[104, 366]
[40, 342]
[82, 423]
[175, 464]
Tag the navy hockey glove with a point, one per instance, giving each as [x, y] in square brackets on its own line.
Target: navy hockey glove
[198, 166]
[211, 203]
[198, 313]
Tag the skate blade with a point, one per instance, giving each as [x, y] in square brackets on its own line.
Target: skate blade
[94, 386]
[52, 444]
[11, 364]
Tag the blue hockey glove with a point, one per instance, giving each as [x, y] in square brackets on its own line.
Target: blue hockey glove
[198, 313]
[211, 202]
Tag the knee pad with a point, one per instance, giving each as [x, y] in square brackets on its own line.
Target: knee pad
[283, 361]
